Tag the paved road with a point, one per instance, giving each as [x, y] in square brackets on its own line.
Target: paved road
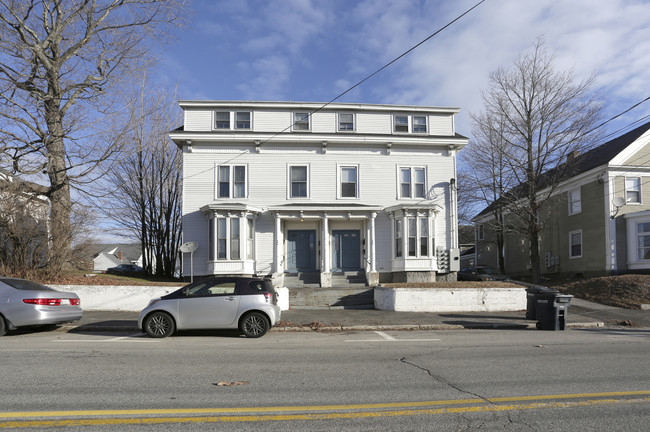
[581, 379]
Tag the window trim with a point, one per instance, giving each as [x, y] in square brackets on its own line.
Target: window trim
[296, 122]
[290, 182]
[395, 124]
[426, 124]
[216, 121]
[639, 191]
[338, 122]
[480, 231]
[571, 200]
[339, 181]
[231, 182]
[571, 234]
[232, 120]
[410, 124]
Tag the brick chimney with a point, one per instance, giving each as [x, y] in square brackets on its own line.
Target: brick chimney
[119, 255]
[572, 155]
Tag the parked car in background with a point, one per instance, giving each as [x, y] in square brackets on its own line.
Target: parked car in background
[480, 273]
[27, 303]
[247, 304]
[125, 269]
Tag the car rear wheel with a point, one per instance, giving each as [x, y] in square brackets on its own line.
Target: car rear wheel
[3, 326]
[254, 325]
[159, 325]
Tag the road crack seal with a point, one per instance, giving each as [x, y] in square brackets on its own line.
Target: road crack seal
[442, 380]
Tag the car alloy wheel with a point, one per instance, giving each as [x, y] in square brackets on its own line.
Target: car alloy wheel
[255, 325]
[159, 325]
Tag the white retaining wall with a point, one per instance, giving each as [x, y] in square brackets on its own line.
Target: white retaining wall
[450, 299]
[132, 298]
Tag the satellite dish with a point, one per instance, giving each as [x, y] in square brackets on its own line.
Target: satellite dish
[618, 202]
[189, 247]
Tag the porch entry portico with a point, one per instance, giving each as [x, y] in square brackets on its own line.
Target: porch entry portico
[325, 239]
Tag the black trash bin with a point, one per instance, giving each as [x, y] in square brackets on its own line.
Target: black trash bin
[552, 309]
[531, 292]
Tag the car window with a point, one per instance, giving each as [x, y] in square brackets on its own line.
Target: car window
[210, 288]
[486, 270]
[257, 287]
[25, 285]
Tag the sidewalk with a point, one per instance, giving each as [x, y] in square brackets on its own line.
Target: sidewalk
[581, 314]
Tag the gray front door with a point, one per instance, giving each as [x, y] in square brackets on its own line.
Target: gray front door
[301, 251]
[346, 250]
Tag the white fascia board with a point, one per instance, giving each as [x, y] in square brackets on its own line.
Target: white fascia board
[312, 106]
[630, 150]
[181, 138]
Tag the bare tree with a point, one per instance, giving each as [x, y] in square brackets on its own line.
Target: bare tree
[60, 63]
[534, 118]
[147, 183]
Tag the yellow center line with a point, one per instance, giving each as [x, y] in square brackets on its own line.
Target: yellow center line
[313, 416]
[185, 411]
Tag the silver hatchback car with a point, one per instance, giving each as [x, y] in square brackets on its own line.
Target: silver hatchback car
[27, 303]
[247, 304]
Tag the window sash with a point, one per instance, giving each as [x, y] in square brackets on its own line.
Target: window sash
[633, 190]
[401, 123]
[406, 182]
[222, 241]
[224, 182]
[298, 181]
[232, 181]
[250, 238]
[346, 122]
[424, 237]
[301, 121]
[575, 240]
[234, 239]
[412, 236]
[398, 238]
[349, 182]
[242, 120]
[575, 203]
[418, 183]
[222, 120]
[419, 124]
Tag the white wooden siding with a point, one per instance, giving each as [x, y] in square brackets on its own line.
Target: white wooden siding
[323, 122]
[441, 124]
[373, 123]
[272, 121]
[198, 120]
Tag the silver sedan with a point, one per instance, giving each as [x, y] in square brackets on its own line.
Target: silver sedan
[27, 303]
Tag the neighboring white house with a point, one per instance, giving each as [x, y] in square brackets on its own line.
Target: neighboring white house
[271, 188]
[106, 256]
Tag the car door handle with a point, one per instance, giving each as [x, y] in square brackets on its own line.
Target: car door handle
[229, 298]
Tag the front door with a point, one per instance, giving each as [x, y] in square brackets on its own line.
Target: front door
[346, 250]
[301, 251]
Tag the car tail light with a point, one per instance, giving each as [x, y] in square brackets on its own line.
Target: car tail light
[43, 301]
[75, 302]
[268, 297]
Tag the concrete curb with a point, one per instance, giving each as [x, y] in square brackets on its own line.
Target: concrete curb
[338, 328]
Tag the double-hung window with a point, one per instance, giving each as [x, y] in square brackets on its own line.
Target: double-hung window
[398, 238]
[228, 238]
[633, 190]
[575, 244]
[346, 122]
[222, 120]
[349, 182]
[231, 181]
[643, 241]
[400, 123]
[301, 121]
[412, 183]
[415, 233]
[404, 123]
[298, 187]
[242, 120]
[575, 203]
[419, 124]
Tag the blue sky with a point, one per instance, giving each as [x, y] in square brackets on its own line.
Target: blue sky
[307, 50]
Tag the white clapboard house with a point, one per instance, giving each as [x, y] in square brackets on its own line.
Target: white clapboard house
[281, 188]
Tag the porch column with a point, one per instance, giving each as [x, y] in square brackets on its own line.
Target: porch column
[373, 267]
[276, 246]
[325, 243]
[325, 271]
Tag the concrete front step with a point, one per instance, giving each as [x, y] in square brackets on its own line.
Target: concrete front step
[335, 297]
